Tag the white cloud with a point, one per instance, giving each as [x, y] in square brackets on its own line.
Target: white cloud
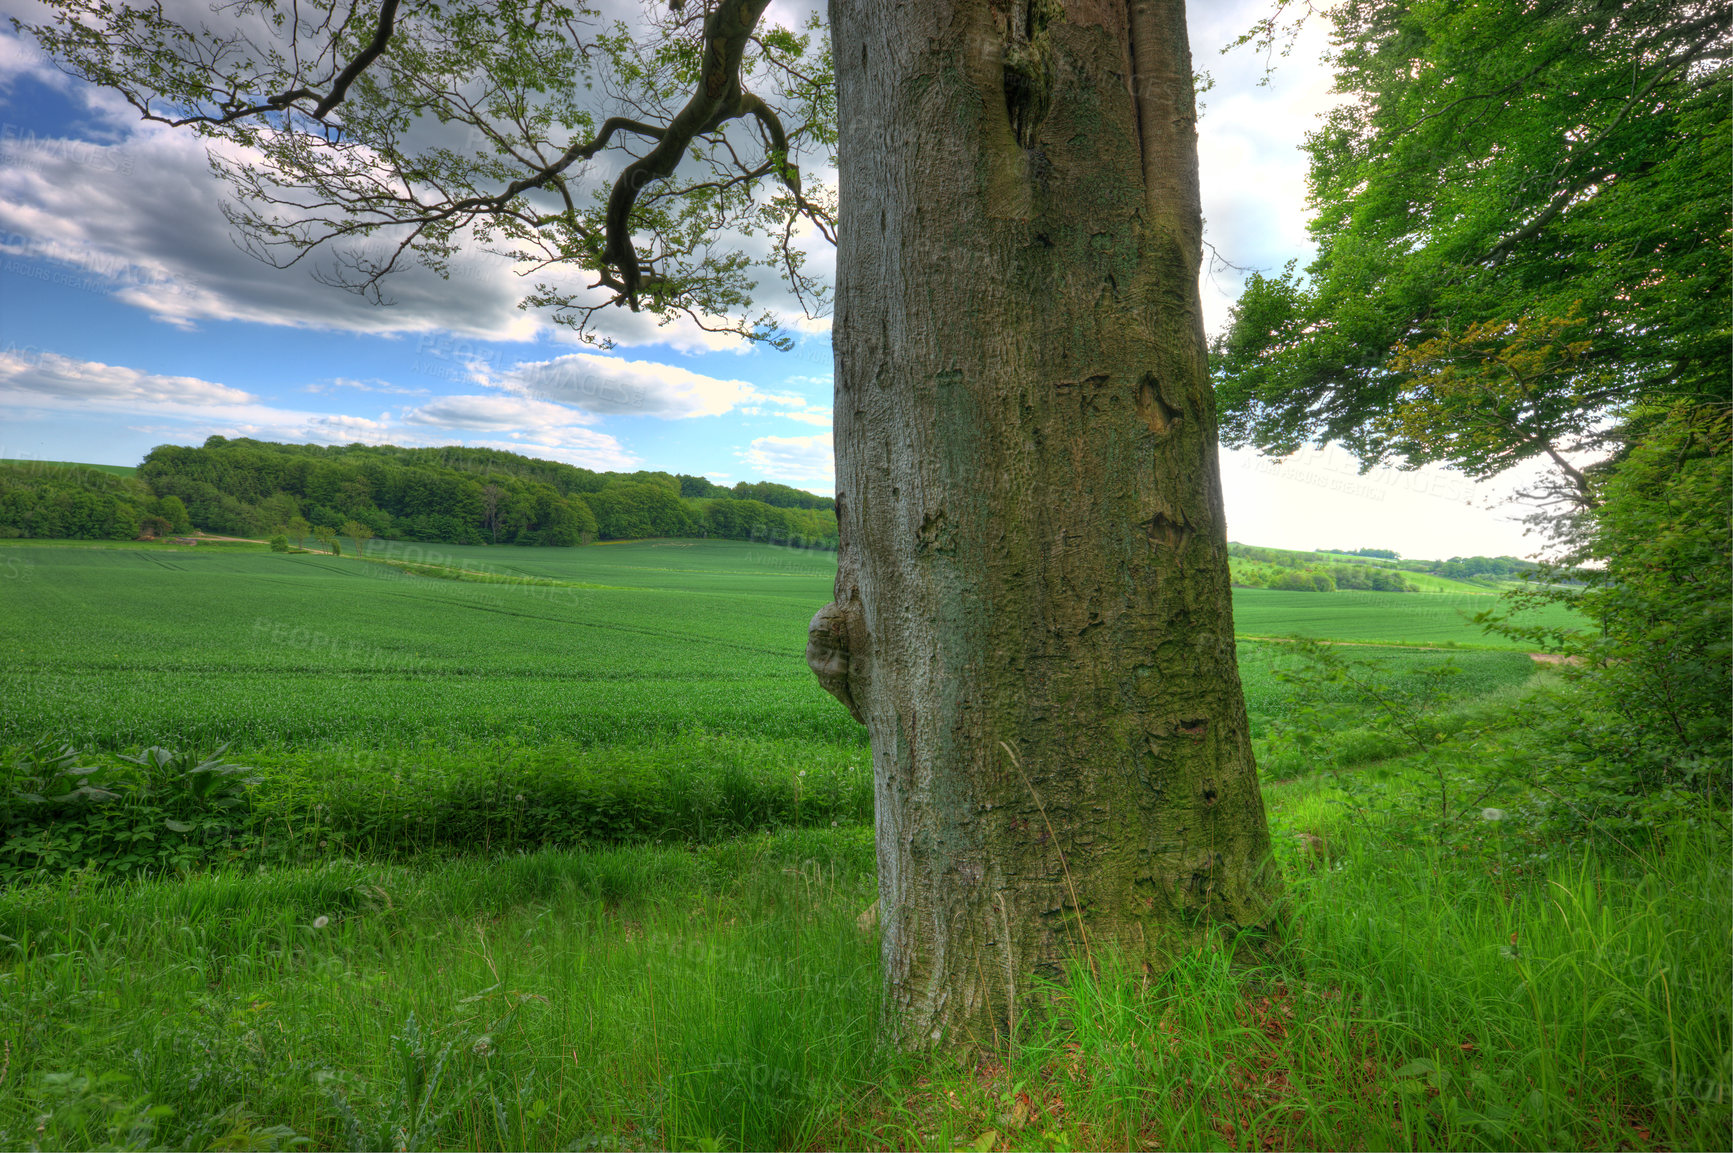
[343, 382]
[601, 384]
[1251, 167]
[185, 409]
[580, 446]
[1318, 498]
[808, 461]
[611, 386]
[818, 416]
[492, 413]
[58, 380]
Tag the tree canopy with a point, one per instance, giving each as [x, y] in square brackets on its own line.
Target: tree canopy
[380, 135]
[1522, 237]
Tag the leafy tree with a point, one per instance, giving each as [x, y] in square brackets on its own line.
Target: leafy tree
[1650, 571]
[71, 503]
[359, 533]
[1032, 611]
[780, 495]
[630, 509]
[345, 120]
[491, 496]
[1522, 233]
[298, 529]
[1523, 239]
[699, 486]
[173, 510]
[564, 523]
[277, 509]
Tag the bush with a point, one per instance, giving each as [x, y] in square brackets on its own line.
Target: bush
[280, 543]
[1649, 567]
[158, 809]
[162, 810]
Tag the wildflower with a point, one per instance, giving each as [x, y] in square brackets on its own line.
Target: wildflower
[1492, 814]
[520, 798]
[321, 922]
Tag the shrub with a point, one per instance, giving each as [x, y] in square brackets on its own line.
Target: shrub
[158, 809]
[162, 810]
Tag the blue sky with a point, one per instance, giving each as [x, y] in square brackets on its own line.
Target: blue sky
[129, 318]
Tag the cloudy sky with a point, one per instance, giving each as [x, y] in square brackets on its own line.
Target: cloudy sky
[129, 318]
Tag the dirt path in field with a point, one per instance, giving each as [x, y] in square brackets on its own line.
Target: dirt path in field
[1541, 658]
[1358, 644]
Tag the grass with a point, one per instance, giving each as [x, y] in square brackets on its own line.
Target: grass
[725, 998]
[125, 647]
[1390, 618]
[116, 469]
[437, 964]
[637, 996]
[122, 647]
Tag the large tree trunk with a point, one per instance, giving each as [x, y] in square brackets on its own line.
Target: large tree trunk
[1032, 609]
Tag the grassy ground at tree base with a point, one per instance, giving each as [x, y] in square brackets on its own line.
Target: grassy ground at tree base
[725, 997]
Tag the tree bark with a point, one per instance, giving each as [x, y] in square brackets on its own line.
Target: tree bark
[1032, 610]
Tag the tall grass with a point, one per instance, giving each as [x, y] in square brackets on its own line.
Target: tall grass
[296, 808]
[1421, 1004]
[724, 997]
[626, 998]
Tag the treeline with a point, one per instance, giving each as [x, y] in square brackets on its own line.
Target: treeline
[1290, 558]
[1322, 572]
[66, 502]
[1320, 578]
[1469, 567]
[450, 495]
[1373, 553]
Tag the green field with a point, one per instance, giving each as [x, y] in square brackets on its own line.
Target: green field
[116, 469]
[114, 647]
[565, 848]
[1381, 618]
[1432, 583]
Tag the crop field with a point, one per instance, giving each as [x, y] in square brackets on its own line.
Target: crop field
[1386, 618]
[567, 849]
[116, 469]
[111, 647]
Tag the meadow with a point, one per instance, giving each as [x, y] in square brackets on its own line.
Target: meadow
[157, 644]
[543, 848]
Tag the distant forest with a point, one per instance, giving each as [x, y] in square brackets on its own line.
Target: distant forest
[449, 495]
[1366, 569]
